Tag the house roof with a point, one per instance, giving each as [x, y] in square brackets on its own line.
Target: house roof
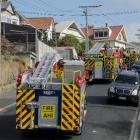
[5, 4]
[39, 23]
[61, 26]
[115, 30]
[90, 31]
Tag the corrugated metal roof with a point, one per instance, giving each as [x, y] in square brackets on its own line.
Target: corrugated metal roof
[96, 48]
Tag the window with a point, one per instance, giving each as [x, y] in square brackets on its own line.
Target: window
[105, 33]
[14, 22]
[126, 79]
[100, 34]
[96, 34]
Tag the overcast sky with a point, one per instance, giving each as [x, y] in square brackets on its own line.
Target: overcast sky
[113, 12]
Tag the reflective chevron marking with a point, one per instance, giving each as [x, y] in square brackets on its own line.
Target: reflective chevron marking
[23, 115]
[70, 107]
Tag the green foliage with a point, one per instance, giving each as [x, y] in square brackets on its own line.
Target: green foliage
[6, 55]
[83, 45]
[70, 40]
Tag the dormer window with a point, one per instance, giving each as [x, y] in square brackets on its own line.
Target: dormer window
[101, 34]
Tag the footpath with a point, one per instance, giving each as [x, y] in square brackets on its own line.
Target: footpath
[137, 133]
[7, 96]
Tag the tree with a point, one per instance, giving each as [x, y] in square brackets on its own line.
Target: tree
[83, 45]
[70, 40]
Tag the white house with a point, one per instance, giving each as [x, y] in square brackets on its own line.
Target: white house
[69, 28]
[9, 14]
[44, 23]
[114, 35]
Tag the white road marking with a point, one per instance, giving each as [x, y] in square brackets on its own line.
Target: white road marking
[6, 107]
[94, 131]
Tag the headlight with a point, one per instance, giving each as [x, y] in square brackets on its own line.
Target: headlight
[112, 89]
[135, 92]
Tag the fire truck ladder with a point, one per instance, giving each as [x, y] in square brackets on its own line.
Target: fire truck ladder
[41, 74]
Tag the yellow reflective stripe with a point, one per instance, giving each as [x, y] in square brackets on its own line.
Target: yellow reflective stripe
[19, 86]
[26, 117]
[68, 118]
[21, 93]
[25, 97]
[72, 99]
[65, 122]
[25, 126]
[75, 87]
[70, 106]
[22, 114]
[72, 91]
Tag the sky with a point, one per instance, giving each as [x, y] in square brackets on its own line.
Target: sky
[112, 12]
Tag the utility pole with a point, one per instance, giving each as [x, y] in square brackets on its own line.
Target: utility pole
[0, 49]
[86, 10]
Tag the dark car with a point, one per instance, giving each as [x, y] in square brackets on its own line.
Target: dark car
[136, 66]
[125, 86]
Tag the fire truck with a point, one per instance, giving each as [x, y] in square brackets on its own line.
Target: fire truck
[100, 67]
[104, 62]
[46, 101]
[101, 64]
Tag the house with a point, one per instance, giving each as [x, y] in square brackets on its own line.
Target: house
[114, 36]
[69, 28]
[9, 14]
[90, 32]
[42, 23]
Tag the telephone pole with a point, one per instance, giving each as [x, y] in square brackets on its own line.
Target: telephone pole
[86, 10]
[0, 48]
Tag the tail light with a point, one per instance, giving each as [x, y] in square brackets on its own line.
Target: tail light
[19, 78]
[79, 80]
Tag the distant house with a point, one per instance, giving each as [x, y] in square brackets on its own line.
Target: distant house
[115, 36]
[44, 23]
[9, 14]
[69, 28]
[90, 32]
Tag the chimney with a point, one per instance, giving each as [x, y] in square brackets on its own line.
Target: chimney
[106, 25]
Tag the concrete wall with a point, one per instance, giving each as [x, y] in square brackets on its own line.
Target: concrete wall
[42, 49]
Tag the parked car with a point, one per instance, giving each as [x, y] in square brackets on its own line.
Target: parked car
[126, 87]
[136, 66]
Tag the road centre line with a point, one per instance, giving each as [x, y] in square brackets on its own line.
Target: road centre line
[7, 107]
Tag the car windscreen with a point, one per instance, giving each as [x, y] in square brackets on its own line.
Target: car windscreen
[127, 79]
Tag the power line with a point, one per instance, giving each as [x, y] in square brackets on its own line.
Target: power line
[90, 15]
[86, 8]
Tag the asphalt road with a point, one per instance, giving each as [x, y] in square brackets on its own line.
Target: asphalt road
[103, 121]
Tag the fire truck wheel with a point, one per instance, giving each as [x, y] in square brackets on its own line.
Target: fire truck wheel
[79, 132]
